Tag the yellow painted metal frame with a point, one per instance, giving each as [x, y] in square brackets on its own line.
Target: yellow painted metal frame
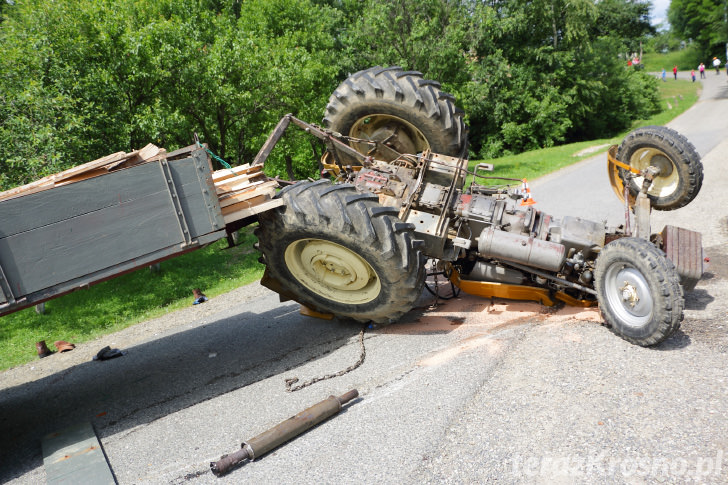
[308, 312]
[489, 289]
[330, 166]
[613, 166]
[571, 301]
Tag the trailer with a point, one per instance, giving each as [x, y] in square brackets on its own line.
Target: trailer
[114, 215]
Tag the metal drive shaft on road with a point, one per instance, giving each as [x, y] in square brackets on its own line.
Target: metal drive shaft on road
[283, 432]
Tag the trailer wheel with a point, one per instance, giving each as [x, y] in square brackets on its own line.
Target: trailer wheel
[681, 171]
[405, 112]
[338, 251]
[639, 291]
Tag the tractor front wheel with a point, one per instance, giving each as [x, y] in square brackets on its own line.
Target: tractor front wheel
[681, 171]
[639, 291]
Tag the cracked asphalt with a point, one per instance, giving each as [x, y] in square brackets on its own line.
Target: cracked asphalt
[467, 390]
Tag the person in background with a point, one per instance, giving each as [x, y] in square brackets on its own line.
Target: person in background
[701, 68]
[664, 74]
[692, 74]
[674, 72]
[716, 65]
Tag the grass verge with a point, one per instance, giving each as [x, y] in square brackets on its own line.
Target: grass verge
[677, 96]
[116, 304]
[138, 296]
[684, 59]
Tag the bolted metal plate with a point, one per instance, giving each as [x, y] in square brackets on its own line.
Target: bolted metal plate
[424, 222]
[685, 250]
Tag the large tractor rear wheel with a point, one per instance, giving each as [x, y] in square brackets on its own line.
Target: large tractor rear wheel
[400, 109]
[336, 250]
[681, 171]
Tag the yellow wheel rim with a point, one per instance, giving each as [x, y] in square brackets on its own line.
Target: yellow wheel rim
[332, 271]
[666, 183]
[394, 132]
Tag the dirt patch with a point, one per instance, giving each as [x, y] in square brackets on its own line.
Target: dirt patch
[589, 150]
[482, 342]
[477, 323]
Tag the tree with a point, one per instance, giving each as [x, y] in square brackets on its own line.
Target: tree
[41, 122]
[540, 75]
[237, 73]
[83, 79]
[422, 35]
[704, 21]
[625, 20]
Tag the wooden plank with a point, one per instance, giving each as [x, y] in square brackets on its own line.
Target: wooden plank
[97, 226]
[82, 176]
[80, 245]
[84, 171]
[159, 156]
[251, 191]
[242, 188]
[239, 182]
[109, 272]
[147, 152]
[80, 241]
[36, 210]
[74, 455]
[220, 175]
[49, 181]
[183, 152]
[273, 138]
[24, 190]
[197, 194]
[266, 189]
[72, 172]
[257, 209]
[248, 203]
[135, 158]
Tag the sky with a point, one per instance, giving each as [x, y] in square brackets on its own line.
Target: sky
[659, 11]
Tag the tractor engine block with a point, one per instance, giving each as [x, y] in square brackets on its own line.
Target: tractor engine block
[527, 236]
[481, 227]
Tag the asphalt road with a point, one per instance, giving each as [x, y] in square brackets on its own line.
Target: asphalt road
[466, 391]
[582, 189]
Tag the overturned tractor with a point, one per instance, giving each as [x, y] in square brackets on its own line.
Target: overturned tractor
[357, 247]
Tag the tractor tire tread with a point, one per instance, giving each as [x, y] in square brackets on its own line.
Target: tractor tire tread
[684, 155]
[340, 214]
[422, 101]
[667, 291]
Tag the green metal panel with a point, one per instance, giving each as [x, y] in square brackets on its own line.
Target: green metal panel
[74, 455]
[61, 203]
[54, 241]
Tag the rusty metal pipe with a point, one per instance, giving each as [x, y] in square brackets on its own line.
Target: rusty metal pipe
[283, 432]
